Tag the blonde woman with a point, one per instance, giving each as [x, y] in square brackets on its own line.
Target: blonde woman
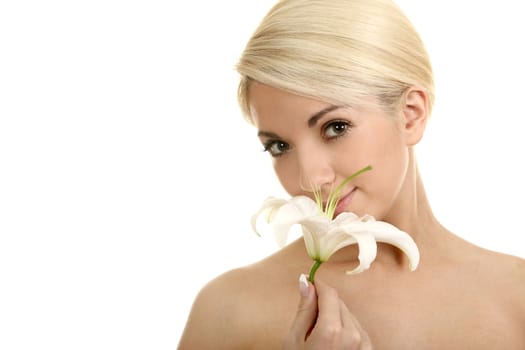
[332, 86]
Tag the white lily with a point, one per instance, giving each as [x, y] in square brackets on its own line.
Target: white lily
[323, 235]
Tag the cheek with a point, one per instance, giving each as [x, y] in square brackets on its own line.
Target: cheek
[389, 157]
[391, 171]
[395, 166]
[392, 158]
[287, 177]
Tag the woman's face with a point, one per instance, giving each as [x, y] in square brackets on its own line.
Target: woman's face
[316, 144]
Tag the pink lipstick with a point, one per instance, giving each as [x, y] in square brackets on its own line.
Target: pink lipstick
[344, 202]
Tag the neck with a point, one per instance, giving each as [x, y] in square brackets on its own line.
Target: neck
[412, 212]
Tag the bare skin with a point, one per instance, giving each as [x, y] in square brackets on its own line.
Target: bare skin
[473, 302]
[460, 297]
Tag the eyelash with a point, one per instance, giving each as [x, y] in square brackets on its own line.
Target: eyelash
[267, 146]
[333, 123]
[270, 143]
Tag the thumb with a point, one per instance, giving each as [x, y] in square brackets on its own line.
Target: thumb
[306, 311]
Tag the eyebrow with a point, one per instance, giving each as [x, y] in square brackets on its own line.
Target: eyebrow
[268, 134]
[311, 121]
[314, 118]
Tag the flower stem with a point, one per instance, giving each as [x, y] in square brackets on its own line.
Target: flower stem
[313, 270]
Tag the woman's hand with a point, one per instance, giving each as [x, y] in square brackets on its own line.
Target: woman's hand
[324, 322]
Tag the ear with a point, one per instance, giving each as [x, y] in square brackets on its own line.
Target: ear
[414, 108]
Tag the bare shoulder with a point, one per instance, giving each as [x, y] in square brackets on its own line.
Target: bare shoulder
[217, 318]
[509, 270]
[505, 278]
[489, 265]
[513, 276]
[238, 307]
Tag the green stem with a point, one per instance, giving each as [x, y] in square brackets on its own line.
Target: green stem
[359, 172]
[313, 270]
[333, 198]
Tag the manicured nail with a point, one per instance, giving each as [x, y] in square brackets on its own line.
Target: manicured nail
[303, 285]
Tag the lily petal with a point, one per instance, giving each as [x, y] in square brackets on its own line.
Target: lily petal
[333, 241]
[367, 251]
[386, 233]
[283, 214]
[268, 207]
[324, 236]
[401, 240]
[315, 229]
[311, 242]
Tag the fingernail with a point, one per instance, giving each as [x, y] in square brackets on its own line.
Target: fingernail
[303, 285]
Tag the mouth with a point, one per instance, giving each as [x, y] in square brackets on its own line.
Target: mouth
[344, 202]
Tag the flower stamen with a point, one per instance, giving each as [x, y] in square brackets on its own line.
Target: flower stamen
[334, 196]
[324, 235]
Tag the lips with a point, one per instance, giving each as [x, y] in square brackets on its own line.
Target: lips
[344, 202]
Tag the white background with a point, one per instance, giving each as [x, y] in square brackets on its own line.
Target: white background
[128, 176]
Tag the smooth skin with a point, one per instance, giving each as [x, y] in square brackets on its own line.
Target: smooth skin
[324, 322]
[460, 297]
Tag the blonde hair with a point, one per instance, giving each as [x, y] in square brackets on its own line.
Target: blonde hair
[338, 51]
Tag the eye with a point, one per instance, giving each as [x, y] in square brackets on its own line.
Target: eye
[335, 129]
[276, 148]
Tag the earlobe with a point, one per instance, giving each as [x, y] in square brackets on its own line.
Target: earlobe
[415, 112]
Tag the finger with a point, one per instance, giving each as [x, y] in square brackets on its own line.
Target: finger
[329, 307]
[306, 311]
[349, 321]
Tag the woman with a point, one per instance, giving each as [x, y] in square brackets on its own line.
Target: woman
[332, 86]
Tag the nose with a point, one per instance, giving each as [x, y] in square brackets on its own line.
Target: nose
[315, 171]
